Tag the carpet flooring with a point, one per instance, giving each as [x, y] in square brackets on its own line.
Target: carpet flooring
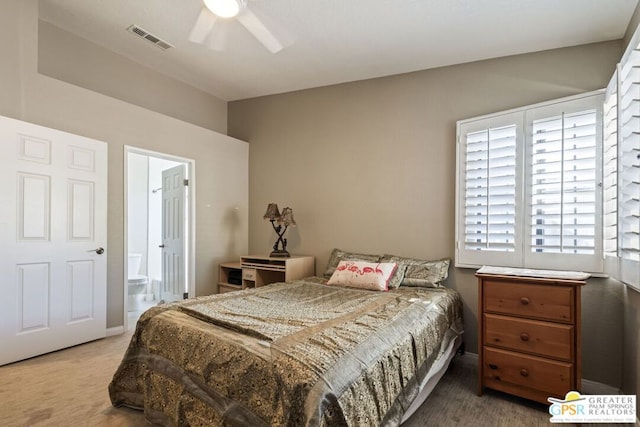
[69, 388]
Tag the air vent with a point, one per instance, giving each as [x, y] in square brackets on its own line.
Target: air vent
[149, 37]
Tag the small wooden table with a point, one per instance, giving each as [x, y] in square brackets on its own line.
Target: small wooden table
[260, 270]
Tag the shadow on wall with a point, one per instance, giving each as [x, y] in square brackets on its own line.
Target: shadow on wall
[231, 223]
[602, 331]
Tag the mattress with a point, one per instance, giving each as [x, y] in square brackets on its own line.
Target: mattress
[297, 353]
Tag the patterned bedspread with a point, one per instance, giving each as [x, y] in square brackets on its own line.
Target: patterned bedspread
[295, 354]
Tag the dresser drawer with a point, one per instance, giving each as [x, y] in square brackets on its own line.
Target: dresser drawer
[533, 336]
[249, 273]
[547, 302]
[508, 369]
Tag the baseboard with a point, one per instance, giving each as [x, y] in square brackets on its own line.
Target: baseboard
[469, 357]
[594, 387]
[118, 330]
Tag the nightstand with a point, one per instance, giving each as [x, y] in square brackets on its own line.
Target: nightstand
[229, 277]
[529, 335]
[259, 270]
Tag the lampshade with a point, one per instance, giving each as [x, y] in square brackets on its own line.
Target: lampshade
[287, 217]
[272, 212]
[224, 8]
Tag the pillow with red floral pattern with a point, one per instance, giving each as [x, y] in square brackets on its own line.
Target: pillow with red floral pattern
[363, 275]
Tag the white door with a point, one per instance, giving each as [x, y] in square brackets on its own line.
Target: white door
[174, 189]
[53, 229]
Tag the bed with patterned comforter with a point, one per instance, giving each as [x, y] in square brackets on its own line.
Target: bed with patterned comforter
[298, 354]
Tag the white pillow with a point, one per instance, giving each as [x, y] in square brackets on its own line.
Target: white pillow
[363, 275]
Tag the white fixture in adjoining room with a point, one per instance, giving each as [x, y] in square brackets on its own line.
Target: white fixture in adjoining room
[147, 245]
[137, 283]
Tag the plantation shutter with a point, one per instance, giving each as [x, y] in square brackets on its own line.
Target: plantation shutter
[532, 198]
[629, 167]
[563, 182]
[563, 179]
[610, 173]
[489, 190]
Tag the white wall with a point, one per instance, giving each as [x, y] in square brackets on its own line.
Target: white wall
[221, 162]
[138, 207]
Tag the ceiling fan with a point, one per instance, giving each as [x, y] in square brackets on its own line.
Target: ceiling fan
[216, 10]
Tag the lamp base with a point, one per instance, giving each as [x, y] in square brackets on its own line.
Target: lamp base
[280, 254]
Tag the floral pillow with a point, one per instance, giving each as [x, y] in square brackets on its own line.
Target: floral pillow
[338, 255]
[363, 275]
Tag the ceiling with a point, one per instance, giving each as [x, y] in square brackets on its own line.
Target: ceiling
[336, 41]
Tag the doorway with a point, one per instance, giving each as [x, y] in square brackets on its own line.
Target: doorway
[146, 267]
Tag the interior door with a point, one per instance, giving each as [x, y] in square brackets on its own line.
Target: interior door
[174, 191]
[53, 229]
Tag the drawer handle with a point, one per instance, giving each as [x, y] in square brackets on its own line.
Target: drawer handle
[524, 301]
[492, 366]
[524, 336]
[524, 372]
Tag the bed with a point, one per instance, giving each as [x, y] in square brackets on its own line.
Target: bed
[307, 352]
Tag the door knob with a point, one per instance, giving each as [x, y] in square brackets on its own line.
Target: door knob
[161, 246]
[99, 251]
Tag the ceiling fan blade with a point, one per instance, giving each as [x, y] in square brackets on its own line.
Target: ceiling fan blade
[218, 36]
[203, 26]
[255, 26]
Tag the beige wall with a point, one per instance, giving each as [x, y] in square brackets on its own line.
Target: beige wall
[370, 166]
[69, 58]
[220, 162]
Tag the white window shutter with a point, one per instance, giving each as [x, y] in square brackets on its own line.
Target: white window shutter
[563, 184]
[629, 166]
[610, 176]
[529, 187]
[564, 192]
[488, 191]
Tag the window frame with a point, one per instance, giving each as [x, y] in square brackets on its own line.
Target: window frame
[522, 256]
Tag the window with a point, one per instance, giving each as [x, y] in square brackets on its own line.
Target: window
[529, 187]
[610, 173]
[563, 183]
[622, 169]
[487, 211]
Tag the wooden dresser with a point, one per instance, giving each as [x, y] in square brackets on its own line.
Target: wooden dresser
[529, 335]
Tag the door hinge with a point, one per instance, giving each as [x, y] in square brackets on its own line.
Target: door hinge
[185, 295]
[186, 182]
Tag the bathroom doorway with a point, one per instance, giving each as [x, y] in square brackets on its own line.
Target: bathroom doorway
[153, 261]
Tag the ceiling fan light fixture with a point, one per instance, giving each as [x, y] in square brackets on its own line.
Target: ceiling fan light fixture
[224, 8]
